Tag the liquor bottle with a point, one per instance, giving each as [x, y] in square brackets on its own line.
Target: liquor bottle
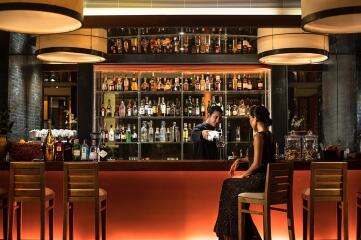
[234, 83]
[176, 44]
[76, 150]
[103, 152]
[176, 134]
[203, 108]
[159, 84]
[123, 134]
[152, 85]
[186, 85]
[134, 134]
[142, 108]
[110, 85]
[105, 84]
[260, 84]
[208, 84]
[220, 103]
[157, 135]
[49, 151]
[129, 109]
[134, 44]
[250, 87]
[116, 112]
[168, 85]
[176, 84]
[146, 106]
[238, 134]
[162, 132]
[59, 150]
[203, 84]
[228, 110]
[134, 85]
[126, 84]
[109, 109]
[117, 133]
[155, 109]
[106, 134]
[122, 109]
[111, 134]
[241, 108]
[185, 133]
[172, 109]
[128, 134]
[244, 82]
[119, 84]
[150, 132]
[126, 45]
[239, 46]
[218, 83]
[190, 107]
[177, 107]
[234, 109]
[68, 153]
[197, 108]
[167, 109]
[163, 107]
[135, 109]
[239, 83]
[84, 151]
[144, 132]
[185, 109]
[93, 155]
[170, 134]
[197, 86]
[103, 110]
[229, 83]
[145, 85]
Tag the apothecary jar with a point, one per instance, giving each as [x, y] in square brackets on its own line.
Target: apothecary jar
[293, 147]
[309, 146]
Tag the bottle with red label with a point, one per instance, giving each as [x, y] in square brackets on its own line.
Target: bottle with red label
[59, 150]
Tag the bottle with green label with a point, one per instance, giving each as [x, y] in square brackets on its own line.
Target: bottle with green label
[76, 150]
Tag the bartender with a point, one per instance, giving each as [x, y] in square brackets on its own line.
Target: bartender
[204, 135]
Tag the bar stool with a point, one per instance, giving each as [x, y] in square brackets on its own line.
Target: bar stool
[278, 190]
[328, 183]
[358, 227]
[27, 183]
[81, 184]
[4, 207]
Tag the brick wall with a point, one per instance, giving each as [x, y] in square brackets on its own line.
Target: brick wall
[24, 85]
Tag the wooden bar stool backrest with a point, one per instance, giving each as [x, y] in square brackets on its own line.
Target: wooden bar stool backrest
[27, 181]
[81, 181]
[279, 181]
[328, 181]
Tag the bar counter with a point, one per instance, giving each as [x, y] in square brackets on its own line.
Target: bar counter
[175, 165]
[176, 200]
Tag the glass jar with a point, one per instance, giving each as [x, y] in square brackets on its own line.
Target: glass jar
[293, 147]
[309, 146]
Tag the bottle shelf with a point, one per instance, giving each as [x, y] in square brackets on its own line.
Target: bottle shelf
[135, 93]
[160, 92]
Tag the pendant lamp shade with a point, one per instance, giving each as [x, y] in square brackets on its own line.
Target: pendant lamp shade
[86, 45]
[331, 16]
[291, 46]
[41, 16]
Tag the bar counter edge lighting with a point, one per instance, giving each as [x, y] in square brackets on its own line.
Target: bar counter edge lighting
[176, 165]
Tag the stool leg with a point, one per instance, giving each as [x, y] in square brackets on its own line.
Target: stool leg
[290, 221]
[338, 219]
[71, 221]
[311, 219]
[241, 221]
[19, 217]
[51, 219]
[97, 219]
[305, 218]
[65, 219]
[42, 219]
[5, 218]
[11, 206]
[104, 219]
[358, 227]
[345, 219]
[266, 222]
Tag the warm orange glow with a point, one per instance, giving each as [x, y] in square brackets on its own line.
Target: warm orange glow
[174, 205]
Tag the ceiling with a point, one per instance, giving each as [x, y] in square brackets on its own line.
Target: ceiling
[143, 13]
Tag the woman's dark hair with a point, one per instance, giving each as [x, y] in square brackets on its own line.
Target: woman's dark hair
[214, 108]
[261, 113]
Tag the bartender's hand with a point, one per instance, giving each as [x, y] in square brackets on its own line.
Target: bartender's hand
[205, 134]
[234, 168]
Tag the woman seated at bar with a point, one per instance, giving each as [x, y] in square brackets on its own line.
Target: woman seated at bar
[205, 146]
[261, 152]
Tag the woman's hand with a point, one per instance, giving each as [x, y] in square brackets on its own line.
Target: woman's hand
[233, 168]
